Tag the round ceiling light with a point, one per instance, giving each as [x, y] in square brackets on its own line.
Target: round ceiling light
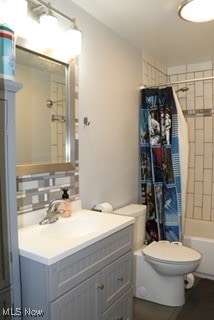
[197, 10]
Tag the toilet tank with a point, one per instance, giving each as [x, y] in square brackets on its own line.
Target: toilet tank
[138, 212]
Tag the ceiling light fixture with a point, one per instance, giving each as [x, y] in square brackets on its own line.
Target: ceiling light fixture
[196, 10]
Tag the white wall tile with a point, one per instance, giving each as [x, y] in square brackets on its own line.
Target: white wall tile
[199, 88]
[212, 196]
[199, 138]
[191, 155]
[208, 95]
[182, 100]
[199, 164]
[197, 213]
[199, 102]
[208, 129]
[191, 181]
[212, 214]
[199, 123]
[191, 97]
[208, 156]
[191, 124]
[198, 194]
[190, 75]
[199, 66]
[173, 78]
[207, 182]
[190, 205]
[176, 70]
[208, 73]
[206, 212]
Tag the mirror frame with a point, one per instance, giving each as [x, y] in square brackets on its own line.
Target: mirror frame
[69, 165]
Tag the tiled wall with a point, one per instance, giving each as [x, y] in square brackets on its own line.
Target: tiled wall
[37, 190]
[197, 104]
[58, 124]
[153, 72]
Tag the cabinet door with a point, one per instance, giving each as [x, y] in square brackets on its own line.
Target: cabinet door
[116, 279]
[5, 305]
[121, 309]
[81, 303]
[4, 254]
[4, 248]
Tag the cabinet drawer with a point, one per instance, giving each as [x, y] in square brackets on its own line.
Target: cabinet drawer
[122, 309]
[116, 279]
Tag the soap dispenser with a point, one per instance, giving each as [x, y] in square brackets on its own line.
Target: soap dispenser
[68, 204]
[65, 194]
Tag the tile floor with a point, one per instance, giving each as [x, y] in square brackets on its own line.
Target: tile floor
[146, 310]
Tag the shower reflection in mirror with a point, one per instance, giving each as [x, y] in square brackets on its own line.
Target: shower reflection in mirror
[40, 109]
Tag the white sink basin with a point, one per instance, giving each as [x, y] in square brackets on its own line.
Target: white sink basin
[50, 243]
[72, 228]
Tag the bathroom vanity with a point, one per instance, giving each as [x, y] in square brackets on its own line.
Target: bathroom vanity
[91, 279]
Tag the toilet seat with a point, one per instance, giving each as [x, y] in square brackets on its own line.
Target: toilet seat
[169, 252]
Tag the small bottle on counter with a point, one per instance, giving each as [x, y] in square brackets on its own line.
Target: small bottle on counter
[67, 206]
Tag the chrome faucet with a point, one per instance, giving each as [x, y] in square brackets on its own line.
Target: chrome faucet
[53, 211]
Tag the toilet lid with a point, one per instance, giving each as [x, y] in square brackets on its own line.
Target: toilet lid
[170, 252]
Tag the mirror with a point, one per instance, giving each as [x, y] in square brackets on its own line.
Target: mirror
[44, 114]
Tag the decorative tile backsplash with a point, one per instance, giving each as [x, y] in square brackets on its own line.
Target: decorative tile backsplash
[37, 190]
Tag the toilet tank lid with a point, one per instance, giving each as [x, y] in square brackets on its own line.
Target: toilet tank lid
[132, 210]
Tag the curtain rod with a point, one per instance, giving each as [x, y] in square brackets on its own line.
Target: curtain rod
[178, 82]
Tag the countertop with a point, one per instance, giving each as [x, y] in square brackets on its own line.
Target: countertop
[33, 244]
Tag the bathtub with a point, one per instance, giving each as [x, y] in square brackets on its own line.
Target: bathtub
[199, 235]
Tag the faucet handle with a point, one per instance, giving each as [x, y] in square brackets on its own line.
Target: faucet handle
[53, 205]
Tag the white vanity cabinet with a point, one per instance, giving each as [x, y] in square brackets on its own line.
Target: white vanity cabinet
[94, 283]
[9, 254]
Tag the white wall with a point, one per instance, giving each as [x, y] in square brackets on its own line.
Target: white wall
[109, 82]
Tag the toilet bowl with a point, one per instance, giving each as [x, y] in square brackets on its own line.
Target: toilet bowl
[160, 267]
[160, 270]
[170, 259]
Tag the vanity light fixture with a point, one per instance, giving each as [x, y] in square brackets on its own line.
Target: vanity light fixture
[73, 40]
[196, 10]
[72, 37]
[48, 20]
[49, 27]
[16, 15]
[52, 32]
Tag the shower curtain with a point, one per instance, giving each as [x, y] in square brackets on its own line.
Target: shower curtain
[161, 182]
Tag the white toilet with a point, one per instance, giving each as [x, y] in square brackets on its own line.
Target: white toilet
[160, 267]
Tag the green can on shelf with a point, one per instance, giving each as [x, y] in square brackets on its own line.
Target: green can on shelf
[7, 53]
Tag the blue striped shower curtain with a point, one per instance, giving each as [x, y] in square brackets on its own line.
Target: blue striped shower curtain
[159, 164]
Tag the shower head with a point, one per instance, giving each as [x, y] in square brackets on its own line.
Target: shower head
[182, 89]
[51, 102]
